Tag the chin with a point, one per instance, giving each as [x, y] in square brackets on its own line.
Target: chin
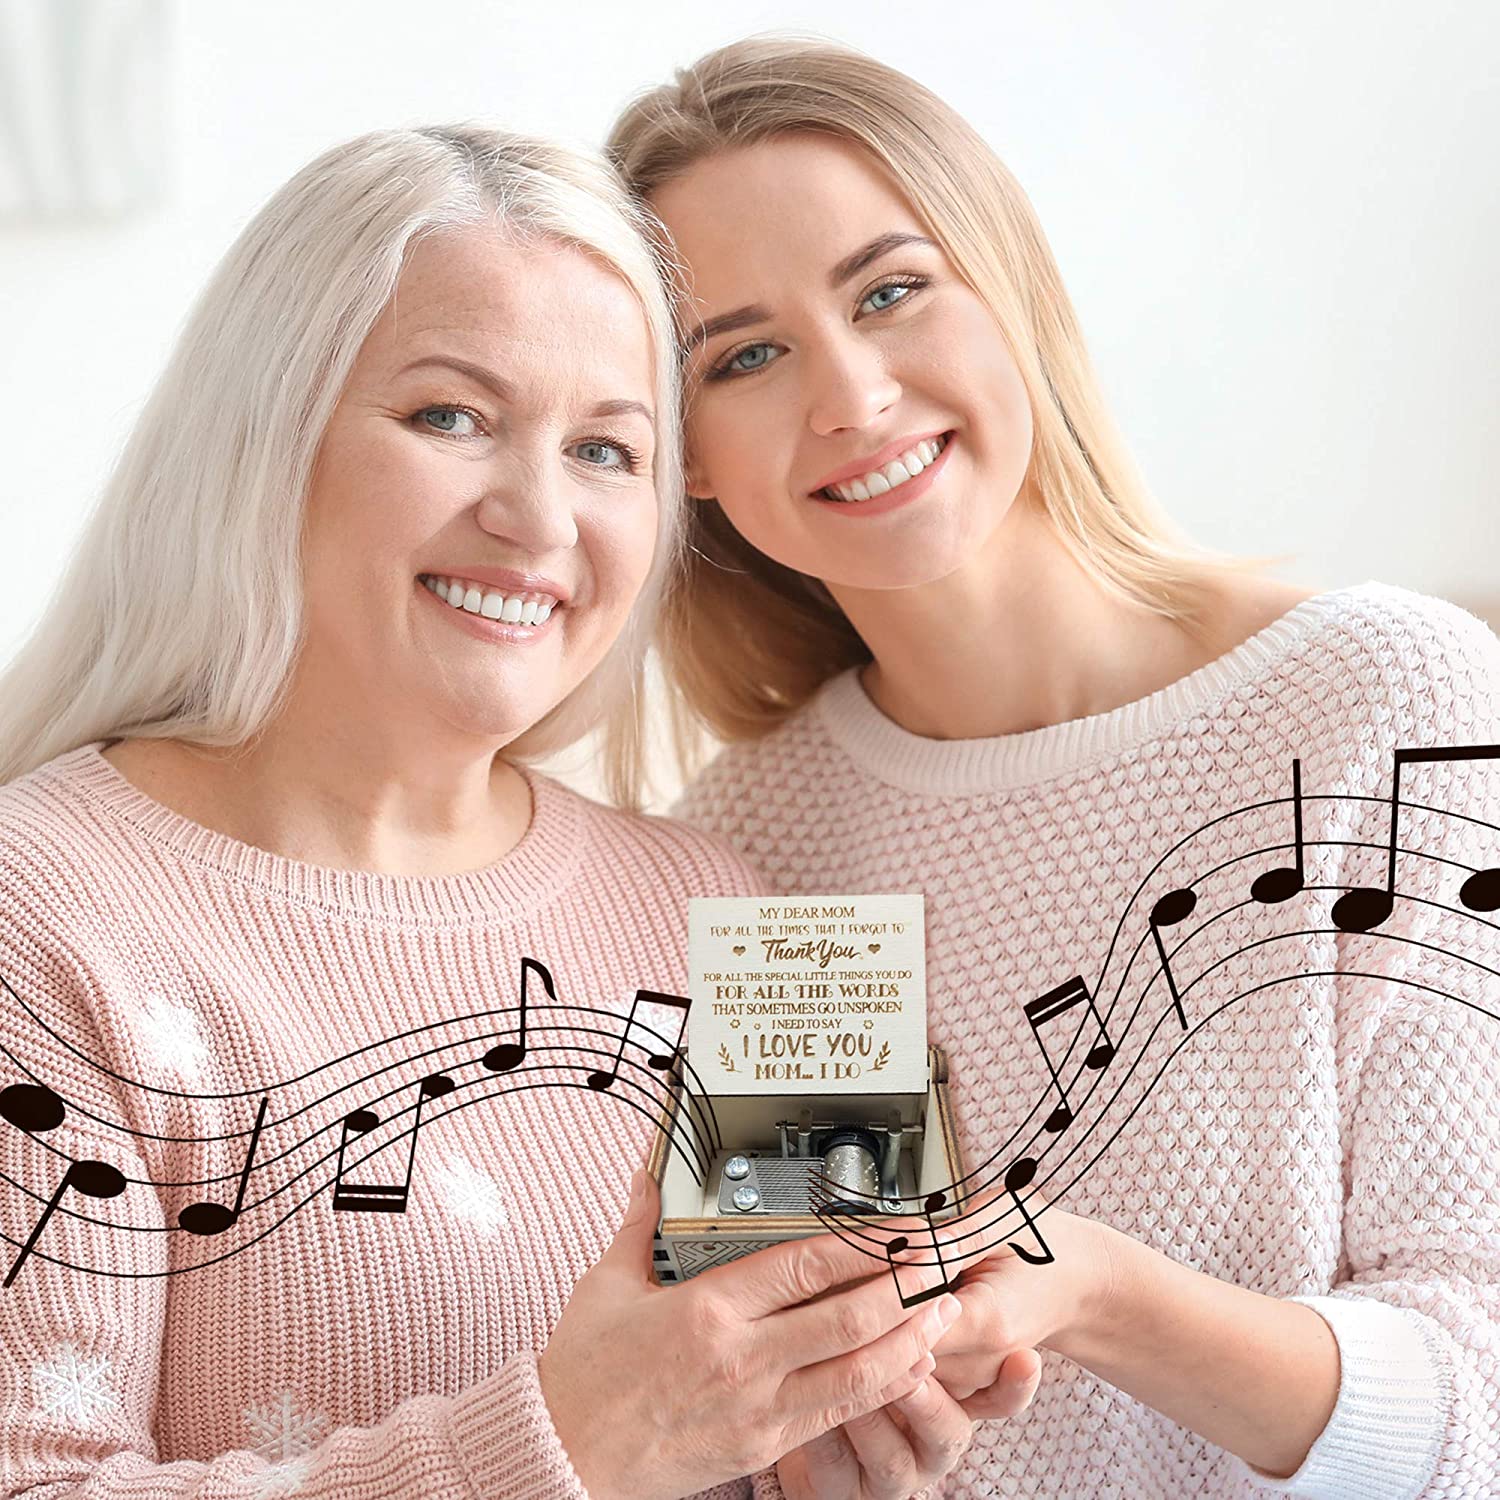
[900, 571]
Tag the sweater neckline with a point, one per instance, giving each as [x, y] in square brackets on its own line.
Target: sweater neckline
[531, 872]
[917, 763]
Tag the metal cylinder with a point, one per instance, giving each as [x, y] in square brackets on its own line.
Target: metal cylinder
[850, 1161]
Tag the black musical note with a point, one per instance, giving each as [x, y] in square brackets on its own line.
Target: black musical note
[893, 1247]
[1365, 907]
[1017, 1176]
[36, 1108]
[1174, 907]
[383, 1197]
[32, 1106]
[603, 1079]
[1055, 1003]
[1276, 886]
[214, 1218]
[507, 1055]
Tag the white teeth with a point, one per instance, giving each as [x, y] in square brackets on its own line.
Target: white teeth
[510, 609]
[898, 471]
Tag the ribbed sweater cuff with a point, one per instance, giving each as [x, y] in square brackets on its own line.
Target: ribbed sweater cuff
[765, 1485]
[505, 1437]
[1381, 1443]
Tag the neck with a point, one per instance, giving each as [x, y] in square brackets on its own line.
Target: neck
[1019, 638]
[330, 787]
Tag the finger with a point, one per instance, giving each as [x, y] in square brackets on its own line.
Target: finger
[846, 1319]
[1012, 1391]
[940, 1430]
[829, 1464]
[856, 1381]
[962, 1375]
[886, 1464]
[781, 1276]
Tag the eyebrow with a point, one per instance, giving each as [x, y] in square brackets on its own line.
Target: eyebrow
[507, 392]
[845, 270]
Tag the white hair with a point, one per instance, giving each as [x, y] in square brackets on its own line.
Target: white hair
[181, 611]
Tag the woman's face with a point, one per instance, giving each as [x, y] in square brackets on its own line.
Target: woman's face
[839, 338]
[493, 444]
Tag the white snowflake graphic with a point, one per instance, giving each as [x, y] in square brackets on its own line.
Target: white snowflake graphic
[74, 1385]
[471, 1194]
[170, 1032]
[281, 1432]
[283, 1478]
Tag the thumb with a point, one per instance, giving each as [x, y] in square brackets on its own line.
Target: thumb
[642, 1215]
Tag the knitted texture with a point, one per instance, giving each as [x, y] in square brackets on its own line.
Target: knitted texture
[1328, 1127]
[158, 966]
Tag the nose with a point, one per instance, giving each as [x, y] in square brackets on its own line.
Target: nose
[849, 386]
[530, 506]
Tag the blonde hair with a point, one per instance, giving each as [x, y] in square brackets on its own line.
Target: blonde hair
[746, 640]
[181, 611]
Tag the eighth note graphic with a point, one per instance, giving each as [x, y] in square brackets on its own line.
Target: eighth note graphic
[658, 1060]
[1018, 1175]
[893, 1247]
[1055, 1003]
[383, 1197]
[504, 1056]
[1365, 907]
[34, 1107]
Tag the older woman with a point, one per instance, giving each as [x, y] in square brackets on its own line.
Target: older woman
[282, 901]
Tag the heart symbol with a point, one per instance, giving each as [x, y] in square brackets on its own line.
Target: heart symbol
[874, 947]
[739, 948]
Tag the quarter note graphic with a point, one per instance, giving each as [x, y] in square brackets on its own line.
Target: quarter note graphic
[507, 1055]
[1019, 1175]
[606, 1079]
[1058, 1002]
[1176, 906]
[1365, 907]
[383, 1197]
[1276, 886]
[35, 1107]
[214, 1218]
[894, 1246]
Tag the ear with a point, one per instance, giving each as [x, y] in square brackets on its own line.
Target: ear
[693, 480]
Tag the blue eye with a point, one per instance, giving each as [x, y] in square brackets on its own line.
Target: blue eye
[446, 419]
[890, 286]
[592, 447]
[760, 350]
[731, 363]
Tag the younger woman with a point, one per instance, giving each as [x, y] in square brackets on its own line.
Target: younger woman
[957, 650]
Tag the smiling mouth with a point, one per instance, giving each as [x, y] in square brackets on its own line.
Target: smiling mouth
[916, 460]
[491, 603]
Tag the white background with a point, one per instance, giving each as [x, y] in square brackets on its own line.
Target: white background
[1279, 225]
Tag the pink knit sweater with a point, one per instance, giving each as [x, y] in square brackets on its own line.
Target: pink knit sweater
[156, 967]
[1328, 1126]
